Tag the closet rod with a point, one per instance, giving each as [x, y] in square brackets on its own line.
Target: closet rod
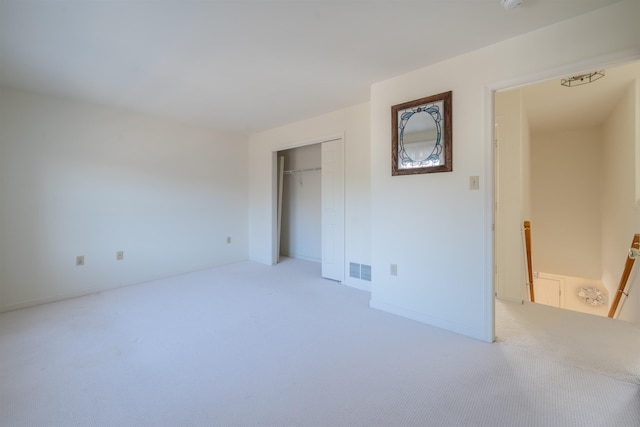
[292, 171]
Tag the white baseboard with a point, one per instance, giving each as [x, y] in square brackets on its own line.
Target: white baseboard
[302, 257]
[90, 290]
[363, 285]
[431, 320]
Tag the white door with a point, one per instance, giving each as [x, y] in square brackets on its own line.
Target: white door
[509, 197]
[333, 210]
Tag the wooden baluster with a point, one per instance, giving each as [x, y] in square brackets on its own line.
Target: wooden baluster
[527, 239]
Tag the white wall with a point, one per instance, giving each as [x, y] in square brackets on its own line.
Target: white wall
[621, 216]
[302, 204]
[525, 160]
[435, 228]
[353, 124]
[568, 289]
[566, 213]
[78, 179]
[637, 140]
[635, 279]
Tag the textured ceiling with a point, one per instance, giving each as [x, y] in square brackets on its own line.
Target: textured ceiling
[245, 65]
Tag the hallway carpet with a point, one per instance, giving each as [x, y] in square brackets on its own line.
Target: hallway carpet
[598, 344]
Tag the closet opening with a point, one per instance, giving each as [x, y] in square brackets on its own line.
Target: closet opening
[300, 203]
[309, 205]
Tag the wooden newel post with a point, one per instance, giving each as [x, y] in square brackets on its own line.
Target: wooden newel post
[527, 239]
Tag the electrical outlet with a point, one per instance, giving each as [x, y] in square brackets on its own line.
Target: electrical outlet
[80, 260]
[394, 269]
[228, 239]
[120, 255]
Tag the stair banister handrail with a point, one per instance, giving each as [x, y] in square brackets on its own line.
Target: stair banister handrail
[628, 265]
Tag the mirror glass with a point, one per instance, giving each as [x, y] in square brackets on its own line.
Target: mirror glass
[419, 138]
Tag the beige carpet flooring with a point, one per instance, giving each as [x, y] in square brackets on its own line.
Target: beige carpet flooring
[255, 345]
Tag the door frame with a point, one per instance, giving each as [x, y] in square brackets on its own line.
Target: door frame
[491, 262]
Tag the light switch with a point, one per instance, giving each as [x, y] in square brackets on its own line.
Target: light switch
[393, 270]
[474, 183]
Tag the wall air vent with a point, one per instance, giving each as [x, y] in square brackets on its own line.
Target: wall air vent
[354, 270]
[365, 272]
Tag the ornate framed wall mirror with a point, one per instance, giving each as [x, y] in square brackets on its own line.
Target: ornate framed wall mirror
[421, 140]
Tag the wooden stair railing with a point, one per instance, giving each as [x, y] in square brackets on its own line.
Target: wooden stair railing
[628, 265]
[527, 240]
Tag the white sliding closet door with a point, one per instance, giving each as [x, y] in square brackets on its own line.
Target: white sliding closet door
[333, 210]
